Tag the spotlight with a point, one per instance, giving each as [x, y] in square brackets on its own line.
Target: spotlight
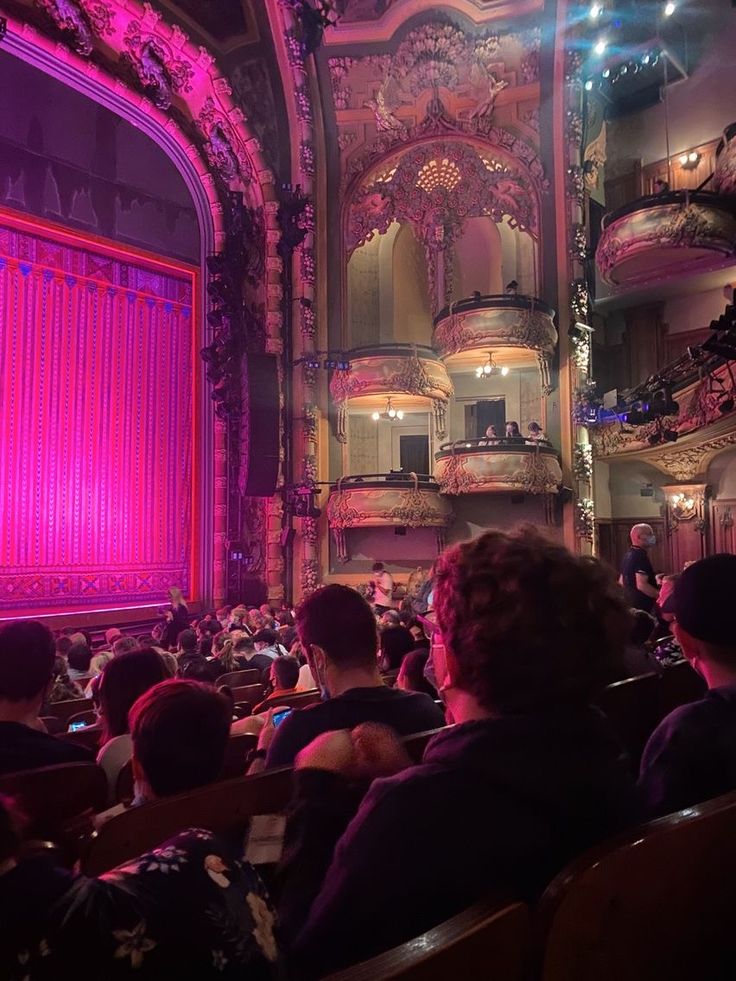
[589, 85]
[645, 60]
[624, 69]
[607, 73]
[595, 11]
[600, 47]
[669, 9]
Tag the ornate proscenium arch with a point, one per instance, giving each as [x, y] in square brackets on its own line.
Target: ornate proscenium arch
[126, 56]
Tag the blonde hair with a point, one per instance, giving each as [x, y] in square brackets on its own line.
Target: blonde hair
[177, 597]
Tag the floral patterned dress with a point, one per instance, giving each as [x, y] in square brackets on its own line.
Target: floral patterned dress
[191, 908]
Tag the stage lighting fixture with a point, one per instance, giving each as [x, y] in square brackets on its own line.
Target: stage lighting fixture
[726, 405]
[595, 11]
[600, 46]
[669, 435]
[654, 439]
[669, 9]
[589, 85]
[607, 73]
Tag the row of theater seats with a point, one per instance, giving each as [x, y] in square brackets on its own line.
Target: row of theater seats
[655, 902]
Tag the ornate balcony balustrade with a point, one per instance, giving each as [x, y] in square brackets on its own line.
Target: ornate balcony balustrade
[482, 466]
[385, 501]
[665, 236]
[518, 329]
[413, 375]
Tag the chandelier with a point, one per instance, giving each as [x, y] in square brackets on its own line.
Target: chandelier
[489, 368]
[389, 414]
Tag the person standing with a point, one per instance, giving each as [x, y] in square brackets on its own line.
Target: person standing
[637, 574]
[383, 588]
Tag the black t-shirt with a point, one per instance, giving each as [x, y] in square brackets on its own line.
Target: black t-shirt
[23, 748]
[406, 712]
[637, 560]
[691, 755]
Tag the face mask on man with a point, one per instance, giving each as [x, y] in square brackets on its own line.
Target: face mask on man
[650, 540]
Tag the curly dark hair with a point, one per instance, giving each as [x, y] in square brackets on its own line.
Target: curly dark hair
[529, 624]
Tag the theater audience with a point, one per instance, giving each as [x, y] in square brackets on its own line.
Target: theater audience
[267, 644]
[250, 658]
[411, 673]
[691, 756]
[284, 677]
[189, 908]
[337, 631]
[527, 778]
[192, 664]
[26, 666]
[122, 682]
[62, 689]
[124, 644]
[79, 659]
[394, 643]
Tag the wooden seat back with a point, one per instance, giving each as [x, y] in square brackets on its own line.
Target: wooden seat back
[53, 725]
[300, 699]
[64, 710]
[52, 796]
[220, 807]
[485, 943]
[247, 693]
[633, 708]
[236, 679]
[88, 737]
[417, 743]
[656, 902]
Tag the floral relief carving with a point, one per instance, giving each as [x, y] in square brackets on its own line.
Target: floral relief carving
[416, 510]
[220, 141]
[159, 71]
[436, 187]
[534, 476]
[456, 478]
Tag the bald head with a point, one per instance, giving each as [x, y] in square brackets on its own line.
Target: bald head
[642, 536]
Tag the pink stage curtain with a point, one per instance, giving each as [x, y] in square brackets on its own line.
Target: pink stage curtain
[96, 440]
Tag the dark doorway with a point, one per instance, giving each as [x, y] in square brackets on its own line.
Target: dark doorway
[485, 413]
[414, 454]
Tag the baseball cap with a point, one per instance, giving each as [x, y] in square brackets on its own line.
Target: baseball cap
[702, 598]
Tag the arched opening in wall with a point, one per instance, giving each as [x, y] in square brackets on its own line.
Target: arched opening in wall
[626, 493]
[412, 320]
[370, 298]
[478, 259]
[520, 260]
[102, 463]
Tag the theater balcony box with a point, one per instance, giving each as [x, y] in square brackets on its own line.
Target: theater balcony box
[481, 466]
[665, 236]
[385, 501]
[412, 375]
[518, 329]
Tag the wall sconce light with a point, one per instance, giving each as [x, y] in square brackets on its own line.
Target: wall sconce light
[389, 414]
[489, 368]
[689, 161]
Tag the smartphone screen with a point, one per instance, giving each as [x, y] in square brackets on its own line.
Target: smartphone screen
[77, 725]
[278, 717]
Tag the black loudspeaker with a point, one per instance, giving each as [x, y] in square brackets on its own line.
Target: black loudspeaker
[259, 438]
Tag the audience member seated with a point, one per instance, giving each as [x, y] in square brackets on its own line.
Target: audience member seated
[528, 777]
[394, 643]
[188, 909]
[411, 673]
[226, 658]
[338, 633]
[124, 644]
[248, 657]
[636, 659]
[389, 618]
[267, 644]
[62, 689]
[26, 665]
[79, 659]
[284, 678]
[691, 756]
[191, 663]
[123, 681]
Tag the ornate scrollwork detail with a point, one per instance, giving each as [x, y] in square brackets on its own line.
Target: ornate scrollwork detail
[534, 477]
[415, 510]
[688, 463]
[158, 69]
[457, 479]
[73, 21]
[220, 143]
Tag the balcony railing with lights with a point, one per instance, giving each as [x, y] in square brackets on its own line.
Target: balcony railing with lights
[509, 328]
[385, 500]
[392, 378]
[504, 465]
[667, 235]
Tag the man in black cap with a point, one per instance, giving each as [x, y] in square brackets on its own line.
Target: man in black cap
[691, 756]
